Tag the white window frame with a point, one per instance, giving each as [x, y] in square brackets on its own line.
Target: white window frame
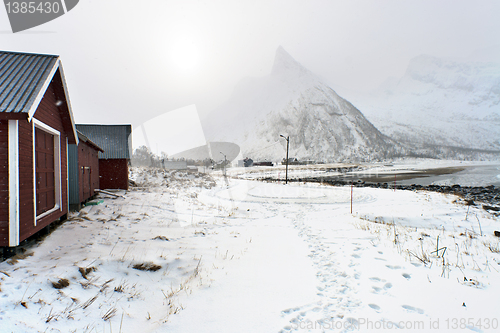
[57, 168]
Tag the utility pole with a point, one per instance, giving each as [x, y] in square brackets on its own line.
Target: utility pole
[224, 164]
[287, 146]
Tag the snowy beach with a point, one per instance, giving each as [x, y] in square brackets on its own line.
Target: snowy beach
[186, 252]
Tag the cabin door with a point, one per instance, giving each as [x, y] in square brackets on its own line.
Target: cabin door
[86, 179]
[45, 174]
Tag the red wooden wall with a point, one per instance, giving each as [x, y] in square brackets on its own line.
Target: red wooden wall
[113, 174]
[51, 113]
[88, 168]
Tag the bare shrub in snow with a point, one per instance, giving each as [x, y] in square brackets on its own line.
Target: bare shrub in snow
[62, 283]
[147, 266]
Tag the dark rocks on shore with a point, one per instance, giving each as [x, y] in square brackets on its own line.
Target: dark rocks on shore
[471, 194]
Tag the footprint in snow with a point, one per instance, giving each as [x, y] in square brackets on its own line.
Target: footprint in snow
[353, 322]
[393, 267]
[413, 309]
[406, 276]
[374, 307]
[388, 285]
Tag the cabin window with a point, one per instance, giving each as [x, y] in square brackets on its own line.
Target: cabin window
[47, 169]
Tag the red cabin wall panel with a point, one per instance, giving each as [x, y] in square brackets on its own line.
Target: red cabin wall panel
[82, 161]
[48, 113]
[113, 174]
[95, 166]
[88, 166]
[51, 114]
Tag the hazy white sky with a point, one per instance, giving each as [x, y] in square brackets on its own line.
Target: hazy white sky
[185, 133]
[129, 61]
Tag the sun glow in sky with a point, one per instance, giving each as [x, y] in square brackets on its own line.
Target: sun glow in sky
[171, 132]
[185, 55]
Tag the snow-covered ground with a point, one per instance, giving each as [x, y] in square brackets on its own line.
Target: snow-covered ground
[228, 255]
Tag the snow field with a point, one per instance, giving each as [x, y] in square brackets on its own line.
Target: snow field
[243, 256]
[109, 240]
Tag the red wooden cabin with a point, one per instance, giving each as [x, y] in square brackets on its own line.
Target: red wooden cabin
[116, 140]
[36, 126]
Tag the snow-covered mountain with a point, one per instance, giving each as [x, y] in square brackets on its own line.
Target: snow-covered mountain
[292, 101]
[438, 102]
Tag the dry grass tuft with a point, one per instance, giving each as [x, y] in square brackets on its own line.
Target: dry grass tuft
[109, 314]
[89, 283]
[86, 271]
[105, 285]
[492, 208]
[120, 288]
[62, 283]
[89, 302]
[14, 260]
[147, 266]
[494, 248]
[50, 316]
[163, 238]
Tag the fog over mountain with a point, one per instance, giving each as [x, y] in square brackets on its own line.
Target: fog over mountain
[292, 101]
[439, 102]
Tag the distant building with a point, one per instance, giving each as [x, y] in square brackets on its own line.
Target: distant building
[247, 162]
[116, 141]
[36, 126]
[265, 163]
[291, 161]
[175, 165]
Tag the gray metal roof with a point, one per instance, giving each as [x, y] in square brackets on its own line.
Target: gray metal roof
[22, 79]
[83, 138]
[116, 140]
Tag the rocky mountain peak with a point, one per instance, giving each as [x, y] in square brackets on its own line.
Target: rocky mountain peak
[286, 67]
[293, 101]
